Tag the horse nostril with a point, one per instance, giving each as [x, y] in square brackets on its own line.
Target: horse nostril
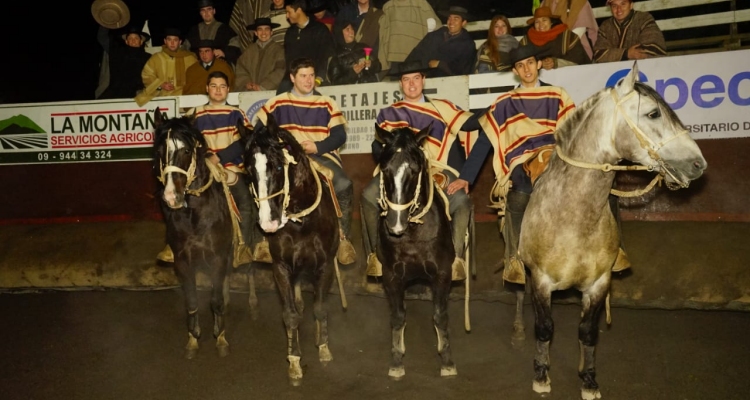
[699, 164]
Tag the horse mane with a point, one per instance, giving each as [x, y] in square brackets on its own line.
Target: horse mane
[178, 128]
[276, 139]
[403, 146]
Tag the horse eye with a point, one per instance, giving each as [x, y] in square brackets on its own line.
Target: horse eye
[654, 114]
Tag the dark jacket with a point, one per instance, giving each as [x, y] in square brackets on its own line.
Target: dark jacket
[125, 66]
[457, 54]
[340, 70]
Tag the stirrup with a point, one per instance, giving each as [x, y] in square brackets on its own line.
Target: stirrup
[346, 253]
[514, 271]
[166, 255]
[374, 267]
[622, 262]
[242, 255]
[458, 269]
[262, 252]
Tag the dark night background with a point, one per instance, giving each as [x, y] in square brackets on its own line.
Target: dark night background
[52, 53]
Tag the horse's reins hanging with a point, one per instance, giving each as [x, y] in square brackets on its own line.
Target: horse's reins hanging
[289, 159]
[189, 174]
[645, 142]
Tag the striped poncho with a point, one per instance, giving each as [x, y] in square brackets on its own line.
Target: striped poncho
[218, 124]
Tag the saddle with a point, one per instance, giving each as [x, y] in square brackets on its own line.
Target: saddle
[535, 165]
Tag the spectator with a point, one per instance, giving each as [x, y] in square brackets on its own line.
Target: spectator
[365, 20]
[198, 73]
[244, 13]
[351, 64]
[126, 59]
[277, 13]
[261, 66]
[211, 29]
[319, 127]
[449, 50]
[403, 24]
[164, 72]
[560, 46]
[577, 14]
[628, 35]
[306, 38]
[319, 10]
[494, 54]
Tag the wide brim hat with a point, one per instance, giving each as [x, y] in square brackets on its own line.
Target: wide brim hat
[521, 53]
[540, 12]
[111, 14]
[315, 6]
[132, 29]
[409, 67]
[262, 22]
[456, 10]
[172, 32]
[206, 3]
[203, 43]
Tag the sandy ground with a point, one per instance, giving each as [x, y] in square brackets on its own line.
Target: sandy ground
[129, 345]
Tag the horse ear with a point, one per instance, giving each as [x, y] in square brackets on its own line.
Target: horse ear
[158, 120]
[627, 83]
[382, 135]
[244, 131]
[422, 135]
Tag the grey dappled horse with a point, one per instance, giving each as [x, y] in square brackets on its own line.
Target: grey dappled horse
[569, 237]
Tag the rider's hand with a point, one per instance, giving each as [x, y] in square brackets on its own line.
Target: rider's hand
[309, 146]
[457, 185]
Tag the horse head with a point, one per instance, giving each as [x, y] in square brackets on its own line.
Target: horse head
[404, 170]
[179, 151]
[657, 138]
[270, 155]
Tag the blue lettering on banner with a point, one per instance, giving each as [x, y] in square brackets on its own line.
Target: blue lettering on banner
[254, 108]
[705, 92]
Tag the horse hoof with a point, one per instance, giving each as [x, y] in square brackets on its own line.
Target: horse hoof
[396, 373]
[447, 372]
[191, 353]
[191, 348]
[295, 371]
[324, 354]
[542, 387]
[517, 341]
[590, 394]
[295, 381]
[223, 351]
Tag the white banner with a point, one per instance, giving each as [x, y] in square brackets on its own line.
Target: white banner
[91, 131]
[709, 92]
[361, 103]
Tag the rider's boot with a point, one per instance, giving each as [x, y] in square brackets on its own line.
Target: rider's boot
[346, 253]
[262, 252]
[516, 206]
[166, 255]
[370, 220]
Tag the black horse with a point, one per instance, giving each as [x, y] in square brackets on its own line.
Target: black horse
[199, 226]
[301, 224]
[414, 238]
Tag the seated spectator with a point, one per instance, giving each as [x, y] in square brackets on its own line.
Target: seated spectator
[494, 54]
[277, 13]
[319, 10]
[628, 35]
[449, 50]
[126, 60]
[211, 29]
[559, 45]
[350, 64]
[165, 72]
[244, 13]
[577, 14]
[197, 74]
[261, 66]
[365, 20]
[306, 38]
[403, 25]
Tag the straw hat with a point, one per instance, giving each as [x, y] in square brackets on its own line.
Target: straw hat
[111, 14]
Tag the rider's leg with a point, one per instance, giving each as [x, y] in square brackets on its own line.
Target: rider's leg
[622, 262]
[370, 219]
[241, 195]
[460, 211]
[344, 189]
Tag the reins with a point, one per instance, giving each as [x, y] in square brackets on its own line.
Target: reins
[296, 217]
[189, 174]
[645, 142]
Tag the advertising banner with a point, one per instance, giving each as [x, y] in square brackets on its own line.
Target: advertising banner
[90, 131]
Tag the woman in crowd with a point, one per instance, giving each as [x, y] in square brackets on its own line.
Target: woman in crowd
[351, 64]
[493, 55]
[561, 47]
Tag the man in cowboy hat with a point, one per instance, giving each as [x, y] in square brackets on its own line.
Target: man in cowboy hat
[126, 60]
[450, 49]
[449, 129]
[261, 66]
[212, 29]
[628, 35]
[197, 74]
[164, 72]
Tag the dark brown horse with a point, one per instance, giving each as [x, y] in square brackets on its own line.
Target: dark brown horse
[299, 217]
[199, 226]
[414, 239]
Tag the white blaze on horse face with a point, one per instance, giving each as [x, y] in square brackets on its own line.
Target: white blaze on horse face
[264, 214]
[170, 195]
[399, 194]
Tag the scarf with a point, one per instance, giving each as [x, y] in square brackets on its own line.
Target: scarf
[542, 38]
[179, 63]
[506, 43]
